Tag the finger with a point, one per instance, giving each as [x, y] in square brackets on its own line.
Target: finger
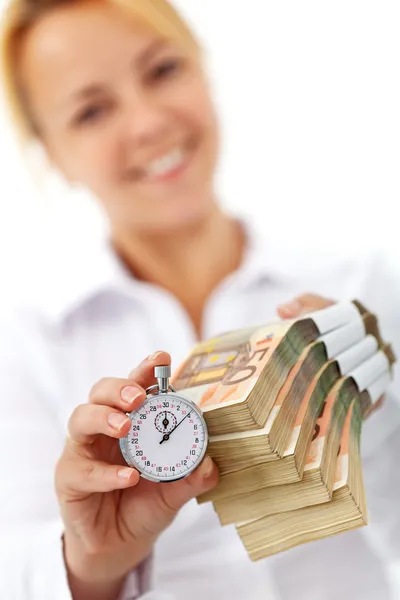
[378, 404]
[90, 420]
[311, 302]
[88, 476]
[123, 394]
[128, 394]
[290, 310]
[203, 479]
[302, 305]
[143, 374]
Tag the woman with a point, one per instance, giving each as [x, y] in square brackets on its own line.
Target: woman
[116, 94]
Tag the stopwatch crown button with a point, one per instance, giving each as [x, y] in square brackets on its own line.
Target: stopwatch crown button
[163, 371]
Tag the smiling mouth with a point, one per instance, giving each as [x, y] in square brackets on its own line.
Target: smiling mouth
[167, 167]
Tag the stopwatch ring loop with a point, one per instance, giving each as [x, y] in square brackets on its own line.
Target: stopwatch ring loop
[155, 386]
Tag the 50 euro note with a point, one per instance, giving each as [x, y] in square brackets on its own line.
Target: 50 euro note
[290, 468]
[226, 371]
[345, 511]
[237, 450]
[318, 478]
[363, 363]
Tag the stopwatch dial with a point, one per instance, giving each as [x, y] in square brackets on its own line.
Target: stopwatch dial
[165, 421]
[167, 439]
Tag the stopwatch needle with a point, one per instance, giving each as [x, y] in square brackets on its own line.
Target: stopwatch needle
[165, 422]
[167, 435]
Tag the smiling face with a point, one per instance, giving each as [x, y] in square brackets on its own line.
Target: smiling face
[123, 112]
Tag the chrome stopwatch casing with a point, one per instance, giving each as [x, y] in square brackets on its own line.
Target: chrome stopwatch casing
[168, 436]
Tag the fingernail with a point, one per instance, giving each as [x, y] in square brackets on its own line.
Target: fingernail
[291, 307]
[117, 421]
[155, 355]
[130, 393]
[125, 473]
[207, 467]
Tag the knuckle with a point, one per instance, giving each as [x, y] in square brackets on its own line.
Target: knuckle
[78, 415]
[90, 471]
[192, 484]
[134, 372]
[58, 473]
[98, 390]
[167, 505]
[307, 298]
[62, 474]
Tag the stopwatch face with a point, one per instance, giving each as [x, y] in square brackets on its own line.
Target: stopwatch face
[167, 439]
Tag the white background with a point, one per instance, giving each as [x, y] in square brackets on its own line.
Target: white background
[309, 99]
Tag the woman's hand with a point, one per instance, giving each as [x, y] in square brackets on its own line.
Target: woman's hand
[308, 303]
[302, 305]
[112, 516]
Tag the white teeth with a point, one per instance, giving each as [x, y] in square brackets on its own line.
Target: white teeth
[162, 166]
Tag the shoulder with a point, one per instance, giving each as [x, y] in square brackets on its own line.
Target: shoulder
[370, 276]
[338, 272]
[24, 333]
[333, 269]
[58, 277]
[27, 325]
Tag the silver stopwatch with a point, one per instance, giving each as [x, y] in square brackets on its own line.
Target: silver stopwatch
[168, 436]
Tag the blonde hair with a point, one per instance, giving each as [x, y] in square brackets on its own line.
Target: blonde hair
[21, 15]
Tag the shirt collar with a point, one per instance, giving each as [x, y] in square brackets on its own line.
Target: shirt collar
[82, 270]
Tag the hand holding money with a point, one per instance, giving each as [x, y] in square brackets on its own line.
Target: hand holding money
[302, 305]
[308, 303]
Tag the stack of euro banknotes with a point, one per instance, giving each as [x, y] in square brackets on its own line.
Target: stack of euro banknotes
[284, 405]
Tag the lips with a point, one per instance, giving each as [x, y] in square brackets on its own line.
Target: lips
[167, 164]
[165, 167]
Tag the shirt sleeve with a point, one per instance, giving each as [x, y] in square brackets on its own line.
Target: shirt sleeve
[31, 441]
[381, 431]
[139, 581]
[381, 293]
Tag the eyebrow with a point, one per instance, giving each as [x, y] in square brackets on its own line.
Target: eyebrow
[150, 51]
[143, 57]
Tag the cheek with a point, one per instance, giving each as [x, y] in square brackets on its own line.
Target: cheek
[211, 143]
[103, 168]
[92, 162]
[195, 101]
[205, 115]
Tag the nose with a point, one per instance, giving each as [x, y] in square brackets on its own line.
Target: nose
[146, 120]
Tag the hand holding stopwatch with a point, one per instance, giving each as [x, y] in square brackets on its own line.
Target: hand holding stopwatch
[181, 424]
[108, 509]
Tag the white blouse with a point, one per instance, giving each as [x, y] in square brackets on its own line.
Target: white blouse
[82, 318]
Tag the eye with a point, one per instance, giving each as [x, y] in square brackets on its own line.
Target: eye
[90, 114]
[166, 69]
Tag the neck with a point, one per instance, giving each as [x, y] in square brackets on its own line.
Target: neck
[189, 263]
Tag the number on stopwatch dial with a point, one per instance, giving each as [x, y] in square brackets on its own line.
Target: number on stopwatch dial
[167, 439]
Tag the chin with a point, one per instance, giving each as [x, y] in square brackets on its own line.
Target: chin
[191, 213]
[179, 213]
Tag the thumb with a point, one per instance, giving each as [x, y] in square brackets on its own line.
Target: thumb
[143, 374]
[203, 479]
[303, 305]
